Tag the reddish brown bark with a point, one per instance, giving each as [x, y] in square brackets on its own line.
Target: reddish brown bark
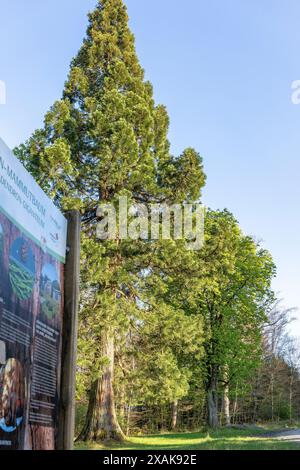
[101, 421]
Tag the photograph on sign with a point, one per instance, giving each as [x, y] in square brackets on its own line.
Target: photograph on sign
[31, 309]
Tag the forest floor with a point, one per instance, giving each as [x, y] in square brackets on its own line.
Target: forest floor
[248, 438]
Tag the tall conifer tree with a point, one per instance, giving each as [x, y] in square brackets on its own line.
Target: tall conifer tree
[106, 138]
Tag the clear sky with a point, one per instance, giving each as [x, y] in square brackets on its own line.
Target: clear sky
[224, 68]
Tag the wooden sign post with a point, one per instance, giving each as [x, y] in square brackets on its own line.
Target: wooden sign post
[69, 336]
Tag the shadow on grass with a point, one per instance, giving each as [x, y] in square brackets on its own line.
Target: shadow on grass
[224, 439]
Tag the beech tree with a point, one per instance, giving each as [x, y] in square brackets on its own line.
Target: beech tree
[232, 292]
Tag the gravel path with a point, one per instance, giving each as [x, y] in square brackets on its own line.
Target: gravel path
[293, 435]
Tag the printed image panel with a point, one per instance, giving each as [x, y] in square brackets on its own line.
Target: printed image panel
[31, 307]
[22, 269]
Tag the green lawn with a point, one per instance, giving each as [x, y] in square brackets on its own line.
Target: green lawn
[225, 439]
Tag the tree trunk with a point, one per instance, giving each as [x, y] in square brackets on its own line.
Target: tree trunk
[101, 420]
[212, 399]
[291, 398]
[235, 405]
[226, 401]
[226, 405]
[121, 405]
[128, 417]
[272, 396]
[174, 415]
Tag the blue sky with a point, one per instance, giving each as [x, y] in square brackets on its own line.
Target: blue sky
[224, 69]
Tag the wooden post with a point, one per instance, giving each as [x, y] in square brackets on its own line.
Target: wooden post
[66, 422]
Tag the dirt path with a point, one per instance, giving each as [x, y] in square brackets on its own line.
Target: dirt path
[292, 435]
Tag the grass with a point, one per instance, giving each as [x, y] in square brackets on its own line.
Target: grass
[224, 439]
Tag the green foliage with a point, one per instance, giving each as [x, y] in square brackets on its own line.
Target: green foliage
[232, 292]
[49, 306]
[21, 280]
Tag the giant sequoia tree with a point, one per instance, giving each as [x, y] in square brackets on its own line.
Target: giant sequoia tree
[106, 138]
